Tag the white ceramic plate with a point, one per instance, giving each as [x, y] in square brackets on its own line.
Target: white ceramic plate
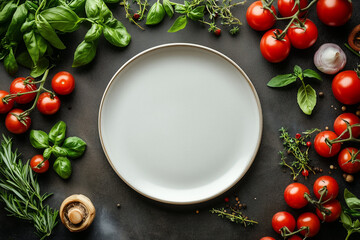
[180, 123]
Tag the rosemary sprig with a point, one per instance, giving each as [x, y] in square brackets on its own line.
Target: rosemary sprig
[295, 146]
[20, 192]
[234, 216]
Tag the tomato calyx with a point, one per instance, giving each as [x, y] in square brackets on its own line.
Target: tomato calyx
[353, 158]
[319, 204]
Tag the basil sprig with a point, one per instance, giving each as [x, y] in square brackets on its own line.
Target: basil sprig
[306, 95]
[56, 144]
[353, 210]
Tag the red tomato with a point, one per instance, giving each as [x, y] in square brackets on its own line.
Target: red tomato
[322, 148]
[14, 125]
[47, 104]
[288, 8]
[38, 164]
[346, 87]
[340, 125]
[303, 38]
[258, 18]
[311, 221]
[331, 185]
[345, 162]
[295, 237]
[272, 49]
[334, 12]
[267, 238]
[63, 83]
[19, 86]
[5, 107]
[294, 195]
[281, 220]
[335, 208]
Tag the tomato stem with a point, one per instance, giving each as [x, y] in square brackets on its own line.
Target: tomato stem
[347, 130]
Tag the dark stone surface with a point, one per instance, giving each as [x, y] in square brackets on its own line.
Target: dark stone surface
[140, 218]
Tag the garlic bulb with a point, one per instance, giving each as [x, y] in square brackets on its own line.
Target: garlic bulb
[330, 58]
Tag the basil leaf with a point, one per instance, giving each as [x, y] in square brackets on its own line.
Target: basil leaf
[57, 133]
[116, 34]
[24, 60]
[62, 18]
[179, 8]
[94, 33]
[311, 74]
[84, 53]
[196, 13]
[282, 80]
[77, 5]
[42, 45]
[180, 23]
[59, 151]
[27, 26]
[298, 71]
[10, 63]
[7, 11]
[47, 153]
[168, 8]
[306, 98]
[74, 146]
[351, 200]
[47, 32]
[346, 220]
[97, 10]
[32, 45]
[156, 14]
[31, 6]
[19, 17]
[62, 167]
[39, 139]
[40, 67]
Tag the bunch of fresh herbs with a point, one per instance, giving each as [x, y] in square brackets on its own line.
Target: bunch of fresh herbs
[353, 211]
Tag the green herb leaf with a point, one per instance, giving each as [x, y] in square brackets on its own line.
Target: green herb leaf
[62, 18]
[77, 5]
[168, 8]
[311, 74]
[57, 133]
[116, 34]
[179, 8]
[196, 13]
[180, 23]
[32, 46]
[7, 11]
[346, 220]
[351, 200]
[47, 32]
[24, 60]
[84, 53]
[39, 139]
[10, 63]
[97, 10]
[156, 14]
[40, 68]
[94, 33]
[62, 167]
[74, 146]
[59, 151]
[298, 72]
[13, 32]
[282, 80]
[306, 98]
[47, 153]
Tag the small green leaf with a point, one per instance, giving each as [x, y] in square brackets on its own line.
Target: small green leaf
[306, 98]
[156, 14]
[311, 74]
[84, 53]
[62, 167]
[116, 34]
[298, 71]
[346, 220]
[7, 12]
[47, 153]
[40, 67]
[197, 13]
[24, 60]
[74, 146]
[13, 32]
[282, 80]
[168, 8]
[39, 139]
[351, 200]
[57, 133]
[59, 151]
[10, 63]
[94, 33]
[180, 23]
[179, 8]
[62, 18]
[47, 32]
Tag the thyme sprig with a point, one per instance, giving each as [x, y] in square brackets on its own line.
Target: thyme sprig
[20, 192]
[234, 216]
[142, 8]
[295, 147]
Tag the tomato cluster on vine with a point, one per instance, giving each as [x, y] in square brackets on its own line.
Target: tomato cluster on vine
[25, 90]
[301, 32]
[297, 196]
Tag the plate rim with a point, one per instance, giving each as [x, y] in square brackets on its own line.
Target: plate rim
[208, 49]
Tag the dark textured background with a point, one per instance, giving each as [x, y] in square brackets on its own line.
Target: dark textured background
[140, 218]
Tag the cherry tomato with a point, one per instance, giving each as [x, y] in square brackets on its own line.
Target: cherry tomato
[294, 195]
[345, 163]
[281, 220]
[334, 12]
[331, 185]
[303, 38]
[267, 238]
[63, 83]
[340, 125]
[295, 237]
[308, 144]
[335, 207]
[311, 221]
[14, 125]
[48, 104]
[19, 86]
[305, 173]
[38, 164]
[288, 8]
[217, 32]
[322, 148]
[346, 87]
[5, 107]
[272, 49]
[136, 16]
[258, 18]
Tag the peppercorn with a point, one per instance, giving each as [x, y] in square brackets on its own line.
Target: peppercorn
[321, 94]
[343, 108]
[349, 178]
